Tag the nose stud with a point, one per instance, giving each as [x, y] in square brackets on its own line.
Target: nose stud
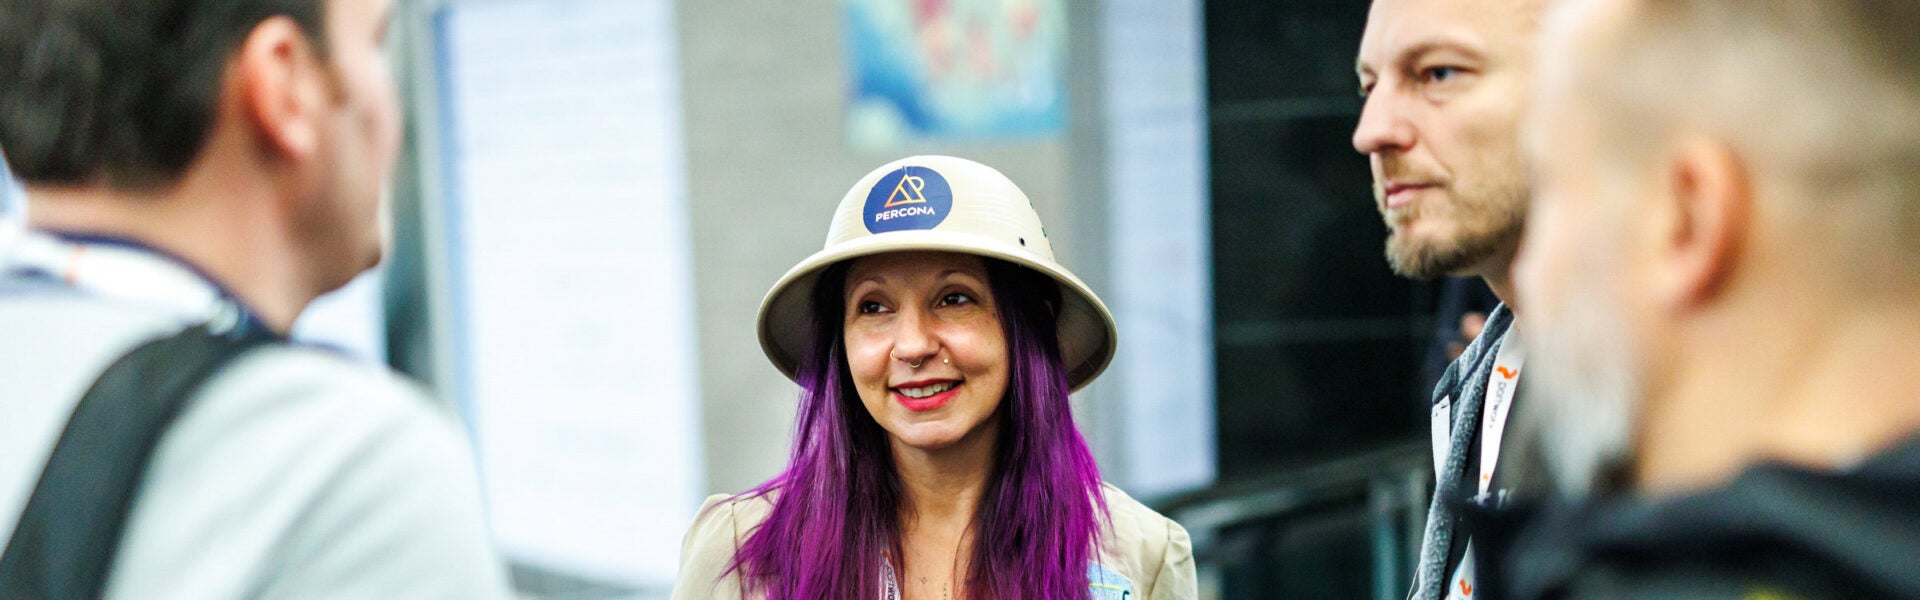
[916, 365]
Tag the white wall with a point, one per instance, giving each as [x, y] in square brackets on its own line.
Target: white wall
[1161, 285]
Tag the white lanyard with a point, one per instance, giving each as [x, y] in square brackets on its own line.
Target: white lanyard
[1465, 579]
[119, 270]
[1493, 415]
[1493, 427]
[10, 231]
[890, 587]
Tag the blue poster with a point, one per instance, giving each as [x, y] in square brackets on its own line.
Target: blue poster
[955, 69]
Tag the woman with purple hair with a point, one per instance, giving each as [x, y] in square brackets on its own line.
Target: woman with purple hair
[935, 340]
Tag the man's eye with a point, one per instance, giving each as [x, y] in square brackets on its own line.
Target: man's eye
[1440, 74]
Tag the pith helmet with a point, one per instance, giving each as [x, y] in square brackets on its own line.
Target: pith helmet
[945, 204]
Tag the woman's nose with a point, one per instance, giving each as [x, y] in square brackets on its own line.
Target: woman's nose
[914, 340]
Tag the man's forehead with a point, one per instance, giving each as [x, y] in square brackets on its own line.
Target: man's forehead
[361, 9]
[1395, 27]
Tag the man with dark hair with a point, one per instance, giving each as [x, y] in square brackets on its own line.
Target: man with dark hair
[1720, 265]
[201, 170]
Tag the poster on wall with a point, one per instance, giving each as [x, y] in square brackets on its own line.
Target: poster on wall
[952, 70]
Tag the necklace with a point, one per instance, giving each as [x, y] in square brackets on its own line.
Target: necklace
[892, 585]
[953, 567]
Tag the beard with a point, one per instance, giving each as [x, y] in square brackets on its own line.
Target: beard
[1581, 366]
[1442, 258]
[1487, 222]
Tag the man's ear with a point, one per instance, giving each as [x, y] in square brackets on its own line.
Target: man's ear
[1706, 222]
[281, 87]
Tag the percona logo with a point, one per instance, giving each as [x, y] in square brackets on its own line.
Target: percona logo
[908, 198]
[910, 190]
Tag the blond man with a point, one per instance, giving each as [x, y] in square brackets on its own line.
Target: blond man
[1720, 268]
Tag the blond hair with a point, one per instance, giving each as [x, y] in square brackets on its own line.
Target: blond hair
[1820, 98]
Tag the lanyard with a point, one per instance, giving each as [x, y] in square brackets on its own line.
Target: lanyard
[9, 232]
[1493, 415]
[1101, 581]
[1501, 384]
[126, 269]
[890, 587]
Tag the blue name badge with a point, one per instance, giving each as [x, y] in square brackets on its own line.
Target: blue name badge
[1108, 585]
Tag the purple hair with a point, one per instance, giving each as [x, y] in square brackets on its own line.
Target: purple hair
[838, 505]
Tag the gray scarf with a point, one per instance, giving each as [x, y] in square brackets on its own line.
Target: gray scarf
[1465, 381]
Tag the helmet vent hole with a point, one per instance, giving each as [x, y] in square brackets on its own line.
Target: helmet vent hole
[1023, 241]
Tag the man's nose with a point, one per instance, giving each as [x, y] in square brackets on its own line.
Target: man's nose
[1383, 127]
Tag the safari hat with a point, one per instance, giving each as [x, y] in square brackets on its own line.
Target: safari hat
[944, 204]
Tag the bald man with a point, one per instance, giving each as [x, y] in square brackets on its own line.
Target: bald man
[1446, 86]
[1721, 270]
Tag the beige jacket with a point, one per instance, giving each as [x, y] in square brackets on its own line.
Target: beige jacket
[1151, 552]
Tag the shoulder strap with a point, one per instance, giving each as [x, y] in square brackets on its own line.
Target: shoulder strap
[70, 530]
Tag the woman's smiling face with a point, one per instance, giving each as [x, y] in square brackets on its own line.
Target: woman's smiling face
[935, 310]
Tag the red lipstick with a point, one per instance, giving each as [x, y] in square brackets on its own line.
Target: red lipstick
[929, 402]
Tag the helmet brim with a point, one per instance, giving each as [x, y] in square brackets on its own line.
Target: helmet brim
[1086, 328]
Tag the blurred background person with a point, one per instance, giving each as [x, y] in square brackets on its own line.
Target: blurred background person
[1720, 268]
[200, 172]
[1446, 86]
[936, 339]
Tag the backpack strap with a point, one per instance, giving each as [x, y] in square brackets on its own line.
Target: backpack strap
[66, 539]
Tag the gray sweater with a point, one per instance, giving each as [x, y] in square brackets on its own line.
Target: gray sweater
[294, 473]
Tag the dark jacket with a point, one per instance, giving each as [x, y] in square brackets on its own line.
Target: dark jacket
[1774, 532]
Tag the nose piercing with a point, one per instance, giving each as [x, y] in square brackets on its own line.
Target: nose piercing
[910, 365]
[916, 365]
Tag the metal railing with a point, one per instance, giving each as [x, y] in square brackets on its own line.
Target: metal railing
[1372, 505]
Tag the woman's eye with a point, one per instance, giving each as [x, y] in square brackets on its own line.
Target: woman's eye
[955, 298]
[870, 307]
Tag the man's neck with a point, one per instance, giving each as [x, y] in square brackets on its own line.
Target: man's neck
[1499, 277]
[221, 236]
[1822, 395]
